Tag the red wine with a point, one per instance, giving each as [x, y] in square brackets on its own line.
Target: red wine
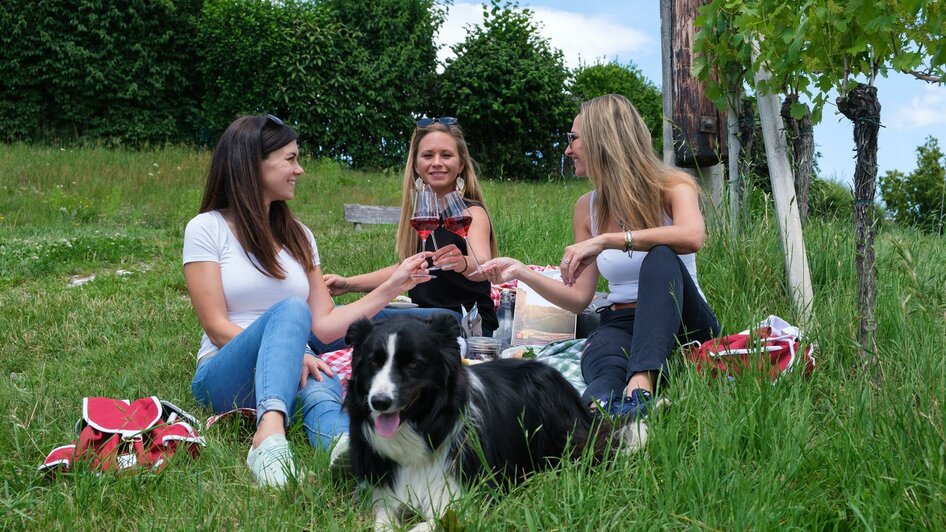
[458, 224]
[424, 225]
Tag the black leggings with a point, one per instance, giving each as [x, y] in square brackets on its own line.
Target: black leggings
[670, 310]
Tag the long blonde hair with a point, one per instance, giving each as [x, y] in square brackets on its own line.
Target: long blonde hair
[407, 240]
[620, 161]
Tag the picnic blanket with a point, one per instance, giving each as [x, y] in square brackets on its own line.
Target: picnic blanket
[497, 289]
[564, 356]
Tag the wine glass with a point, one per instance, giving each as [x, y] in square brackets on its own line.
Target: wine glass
[457, 219]
[426, 216]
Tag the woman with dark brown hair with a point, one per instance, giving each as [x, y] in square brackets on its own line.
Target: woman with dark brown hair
[252, 272]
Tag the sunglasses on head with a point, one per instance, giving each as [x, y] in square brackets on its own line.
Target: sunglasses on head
[276, 120]
[445, 120]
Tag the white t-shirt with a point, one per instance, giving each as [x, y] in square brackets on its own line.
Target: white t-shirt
[248, 292]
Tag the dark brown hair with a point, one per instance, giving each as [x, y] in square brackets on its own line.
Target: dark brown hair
[234, 183]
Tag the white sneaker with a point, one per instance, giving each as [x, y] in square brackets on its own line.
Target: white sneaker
[271, 463]
[340, 458]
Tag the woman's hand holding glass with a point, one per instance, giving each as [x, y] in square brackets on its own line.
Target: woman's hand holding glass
[457, 219]
[411, 272]
[450, 258]
[426, 216]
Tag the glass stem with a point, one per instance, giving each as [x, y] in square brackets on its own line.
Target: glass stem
[472, 253]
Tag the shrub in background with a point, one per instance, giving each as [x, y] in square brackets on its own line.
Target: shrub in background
[629, 81]
[507, 87]
[289, 59]
[394, 76]
[111, 70]
[918, 198]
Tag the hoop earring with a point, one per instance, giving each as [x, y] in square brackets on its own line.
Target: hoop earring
[461, 185]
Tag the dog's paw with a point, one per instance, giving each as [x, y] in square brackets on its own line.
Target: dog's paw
[633, 437]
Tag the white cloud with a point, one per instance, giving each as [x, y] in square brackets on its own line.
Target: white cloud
[581, 37]
[928, 108]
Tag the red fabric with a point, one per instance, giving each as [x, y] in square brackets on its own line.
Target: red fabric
[116, 434]
[243, 411]
[759, 350]
[497, 289]
[118, 415]
[340, 362]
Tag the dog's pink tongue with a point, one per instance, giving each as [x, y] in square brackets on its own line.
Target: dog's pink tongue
[386, 424]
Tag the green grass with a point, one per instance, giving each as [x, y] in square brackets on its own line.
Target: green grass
[847, 448]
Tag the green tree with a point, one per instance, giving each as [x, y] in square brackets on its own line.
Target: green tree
[290, 59]
[917, 198]
[813, 47]
[395, 75]
[629, 81]
[507, 87]
[111, 70]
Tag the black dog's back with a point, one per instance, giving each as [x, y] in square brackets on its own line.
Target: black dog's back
[528, 416]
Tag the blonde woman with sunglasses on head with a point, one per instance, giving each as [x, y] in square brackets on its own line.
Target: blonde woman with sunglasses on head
[439, 157]
[639, 228]
[252, 272]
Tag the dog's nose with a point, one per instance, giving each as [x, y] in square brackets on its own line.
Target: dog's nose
[381, 402]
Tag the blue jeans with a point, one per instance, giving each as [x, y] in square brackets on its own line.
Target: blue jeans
[670, 311]
[261, 368]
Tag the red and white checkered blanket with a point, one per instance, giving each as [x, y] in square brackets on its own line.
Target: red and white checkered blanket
[496, 290]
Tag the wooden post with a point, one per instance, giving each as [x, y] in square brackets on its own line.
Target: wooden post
[693, 128]
[735, 176]
[786, 208]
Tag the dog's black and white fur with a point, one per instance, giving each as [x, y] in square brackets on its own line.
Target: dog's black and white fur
[422, 423]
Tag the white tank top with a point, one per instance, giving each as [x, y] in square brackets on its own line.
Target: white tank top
[623, 273]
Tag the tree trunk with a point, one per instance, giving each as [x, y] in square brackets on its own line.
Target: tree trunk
[862, 107]
[803, 151]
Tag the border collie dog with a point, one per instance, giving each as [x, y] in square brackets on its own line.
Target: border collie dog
[422, 423]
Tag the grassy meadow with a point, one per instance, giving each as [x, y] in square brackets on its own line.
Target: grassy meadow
[846, 448]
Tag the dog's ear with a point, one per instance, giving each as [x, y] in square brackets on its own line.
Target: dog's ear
[445, 326]
[357, 332]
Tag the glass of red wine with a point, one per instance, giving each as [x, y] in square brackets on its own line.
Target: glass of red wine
[426, 216]
[457, 219]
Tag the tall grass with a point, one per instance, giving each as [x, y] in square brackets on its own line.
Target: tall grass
[847, 448]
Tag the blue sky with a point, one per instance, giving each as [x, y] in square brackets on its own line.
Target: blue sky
[629, 30]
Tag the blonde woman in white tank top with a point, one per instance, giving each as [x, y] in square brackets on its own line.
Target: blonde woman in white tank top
[639, 206]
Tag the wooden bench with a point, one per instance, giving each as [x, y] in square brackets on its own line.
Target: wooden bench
[371, 214]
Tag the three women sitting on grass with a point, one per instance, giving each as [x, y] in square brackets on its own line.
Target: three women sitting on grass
[253, 273]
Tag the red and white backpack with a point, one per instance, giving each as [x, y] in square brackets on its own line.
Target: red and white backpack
[116, 434]
[773, 347]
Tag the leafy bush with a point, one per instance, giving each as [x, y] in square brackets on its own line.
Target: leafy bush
[113, 70]
[506, 84]
[629, 81]
[395, 76]
[829, 199]
[917, 198]
[287, 58]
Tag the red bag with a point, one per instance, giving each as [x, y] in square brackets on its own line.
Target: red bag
[773, 347]
[115, 434]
